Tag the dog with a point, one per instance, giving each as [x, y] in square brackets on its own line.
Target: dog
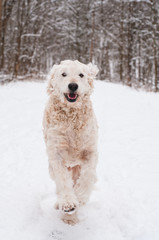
[70, 132]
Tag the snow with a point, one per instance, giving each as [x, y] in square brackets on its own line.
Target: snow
[125, 204]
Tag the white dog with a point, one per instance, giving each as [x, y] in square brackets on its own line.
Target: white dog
[70, 131]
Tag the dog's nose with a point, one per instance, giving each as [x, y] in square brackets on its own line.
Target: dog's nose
[73, 86]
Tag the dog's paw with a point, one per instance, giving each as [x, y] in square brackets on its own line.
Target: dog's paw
[68, 205]
[70, 219]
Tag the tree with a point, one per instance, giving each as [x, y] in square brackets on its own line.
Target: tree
[6, 7]
[120, 36]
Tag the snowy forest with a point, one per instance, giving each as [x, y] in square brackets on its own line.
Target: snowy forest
[120, 36]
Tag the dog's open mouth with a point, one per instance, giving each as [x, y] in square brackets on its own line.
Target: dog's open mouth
[71, 97]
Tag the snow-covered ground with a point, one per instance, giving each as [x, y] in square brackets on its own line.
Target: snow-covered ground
[125, 204]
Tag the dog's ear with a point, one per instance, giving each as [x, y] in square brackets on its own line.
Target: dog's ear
[50, 79]
[92, 72]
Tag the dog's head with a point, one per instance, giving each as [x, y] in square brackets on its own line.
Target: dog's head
[71, 81]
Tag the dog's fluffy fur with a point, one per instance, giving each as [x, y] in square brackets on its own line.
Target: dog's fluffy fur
[70, 132]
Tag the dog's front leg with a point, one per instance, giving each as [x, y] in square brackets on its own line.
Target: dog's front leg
[67, 200]
[85, 183]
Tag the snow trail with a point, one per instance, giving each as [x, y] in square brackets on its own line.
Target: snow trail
[125, 204]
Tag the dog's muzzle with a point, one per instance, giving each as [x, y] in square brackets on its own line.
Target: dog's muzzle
[72, 95]
[73, 87]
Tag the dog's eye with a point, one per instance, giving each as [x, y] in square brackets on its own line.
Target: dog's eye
[81, 75]
[64, 74]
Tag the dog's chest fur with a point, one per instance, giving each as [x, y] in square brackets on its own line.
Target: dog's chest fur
[73, 134]
[79, 146]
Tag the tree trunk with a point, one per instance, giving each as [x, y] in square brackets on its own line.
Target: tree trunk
[129, 49]
[92, 39]
[121, 43]
[155, 65]
[139, 61]
[5, 12]
[17, 54]
[0, 15]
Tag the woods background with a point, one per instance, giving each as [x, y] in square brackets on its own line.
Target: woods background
[120, 36]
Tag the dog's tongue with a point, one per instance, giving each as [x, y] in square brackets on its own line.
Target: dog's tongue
[72, 95]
